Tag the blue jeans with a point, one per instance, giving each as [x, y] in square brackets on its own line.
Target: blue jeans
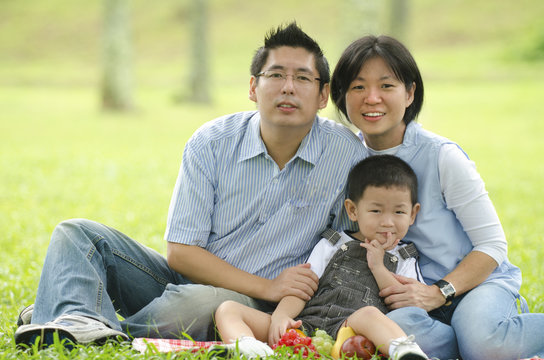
[483, 324]
[96, 271]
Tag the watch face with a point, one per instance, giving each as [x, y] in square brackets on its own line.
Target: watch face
[448, 290]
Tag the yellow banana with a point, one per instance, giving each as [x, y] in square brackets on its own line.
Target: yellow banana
[344, 333]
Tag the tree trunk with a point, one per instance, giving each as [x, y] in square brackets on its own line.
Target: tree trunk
[199, 77]
[117, 70]
[399, 14]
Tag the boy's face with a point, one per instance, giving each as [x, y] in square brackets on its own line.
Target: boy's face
[381, 210]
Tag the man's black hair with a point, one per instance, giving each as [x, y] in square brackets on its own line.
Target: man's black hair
[292, 36]
[381, 171]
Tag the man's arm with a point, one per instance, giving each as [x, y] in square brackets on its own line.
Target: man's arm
[201, 266]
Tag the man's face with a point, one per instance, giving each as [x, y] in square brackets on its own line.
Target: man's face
[288, 104]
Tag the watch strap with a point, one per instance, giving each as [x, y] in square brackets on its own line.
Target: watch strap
[442, 285]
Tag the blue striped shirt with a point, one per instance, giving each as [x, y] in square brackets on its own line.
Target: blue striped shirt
[232, 199]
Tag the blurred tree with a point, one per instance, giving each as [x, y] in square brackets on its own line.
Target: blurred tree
[117, 70]
[360, 18]
[399, 14]
[199, 77]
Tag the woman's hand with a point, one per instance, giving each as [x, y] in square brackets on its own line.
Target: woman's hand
[412, 293]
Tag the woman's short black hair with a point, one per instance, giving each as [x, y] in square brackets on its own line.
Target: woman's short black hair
[394, 53]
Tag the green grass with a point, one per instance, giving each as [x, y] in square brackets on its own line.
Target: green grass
[61, 157]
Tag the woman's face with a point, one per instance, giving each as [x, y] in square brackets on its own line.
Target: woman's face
[376, 101]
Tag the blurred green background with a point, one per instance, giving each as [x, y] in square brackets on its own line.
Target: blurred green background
[62, 156]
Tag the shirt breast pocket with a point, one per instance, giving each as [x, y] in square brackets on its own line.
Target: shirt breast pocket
[311, 195]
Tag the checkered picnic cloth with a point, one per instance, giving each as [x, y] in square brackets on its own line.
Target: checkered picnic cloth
[168, 345]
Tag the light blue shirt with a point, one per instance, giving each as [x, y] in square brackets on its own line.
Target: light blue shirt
[232, 199]
[440, 234]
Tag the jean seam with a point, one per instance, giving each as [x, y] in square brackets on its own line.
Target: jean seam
[142, 267]
[128, 259]
[99, 298]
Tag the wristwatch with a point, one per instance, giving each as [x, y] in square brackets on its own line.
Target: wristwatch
[447, 290]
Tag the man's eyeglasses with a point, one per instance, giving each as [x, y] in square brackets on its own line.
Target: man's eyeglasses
[302, 79]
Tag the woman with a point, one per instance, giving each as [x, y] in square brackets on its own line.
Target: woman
[469, 309]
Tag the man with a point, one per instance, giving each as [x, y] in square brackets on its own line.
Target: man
[254, 191]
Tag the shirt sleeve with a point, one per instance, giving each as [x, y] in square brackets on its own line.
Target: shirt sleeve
[465, 194]
[192, 203]
[410, 269]
[320, 256]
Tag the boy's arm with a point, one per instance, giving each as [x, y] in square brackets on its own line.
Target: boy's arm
[374, 255]
[282, 318]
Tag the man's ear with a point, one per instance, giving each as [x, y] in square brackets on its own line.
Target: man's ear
[324, 96]
[351, 209]
[252, 87]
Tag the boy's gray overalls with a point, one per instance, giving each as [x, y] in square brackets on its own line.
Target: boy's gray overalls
[346, 286]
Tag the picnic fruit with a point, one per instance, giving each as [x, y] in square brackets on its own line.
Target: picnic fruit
[300, 332]
[323, 342]
[301, 344]
[359, 346]
[344, 333]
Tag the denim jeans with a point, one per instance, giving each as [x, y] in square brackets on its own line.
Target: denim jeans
[96, 271]
[483, 324]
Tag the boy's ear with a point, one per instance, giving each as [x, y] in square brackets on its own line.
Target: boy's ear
[415, 210]
[351, 209]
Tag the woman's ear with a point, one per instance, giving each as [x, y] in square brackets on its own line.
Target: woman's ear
[410, 94]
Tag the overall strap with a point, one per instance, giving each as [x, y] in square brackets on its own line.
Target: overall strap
[408, 251]
[331, 235]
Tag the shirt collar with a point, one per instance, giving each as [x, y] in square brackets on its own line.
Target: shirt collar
[253, 145]
[409, 139]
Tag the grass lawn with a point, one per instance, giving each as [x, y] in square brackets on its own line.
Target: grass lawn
[60, 157]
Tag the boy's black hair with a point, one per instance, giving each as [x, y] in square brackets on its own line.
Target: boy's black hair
[292, 36]
[397, 57]
[381, 171]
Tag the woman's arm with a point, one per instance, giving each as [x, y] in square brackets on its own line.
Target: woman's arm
[464, 192]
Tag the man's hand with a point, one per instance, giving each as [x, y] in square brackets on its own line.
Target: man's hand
[412, 293]
[297, 281]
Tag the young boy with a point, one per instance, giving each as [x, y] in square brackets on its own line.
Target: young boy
[382, 199]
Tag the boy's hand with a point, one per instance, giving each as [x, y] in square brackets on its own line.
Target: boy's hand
[279, 325]
[375, 250]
